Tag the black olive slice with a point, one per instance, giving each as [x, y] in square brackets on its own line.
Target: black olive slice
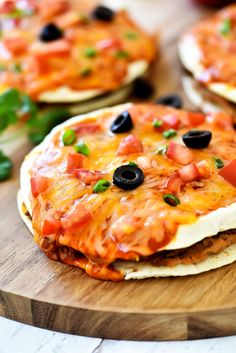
[197, 138]
[50, 32]
[172, 100]
[142, 88]
[103, 13]
[123, 123]
[128, 177]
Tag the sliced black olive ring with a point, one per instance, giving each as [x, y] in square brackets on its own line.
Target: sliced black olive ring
[172, 100]
[128, 177]
[123, 123]
[197, 138]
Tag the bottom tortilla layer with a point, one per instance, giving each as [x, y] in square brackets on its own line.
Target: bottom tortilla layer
[208, 254]
[205, 100]
[105, 100]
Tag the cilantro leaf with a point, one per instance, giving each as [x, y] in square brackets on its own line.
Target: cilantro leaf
[14, 104]
[43, 123]
[5, 167]
[225, 27]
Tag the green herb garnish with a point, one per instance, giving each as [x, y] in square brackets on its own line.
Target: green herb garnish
[162, 149]
[132, 163]
[157, 123]
[82, 147]
[225, 26]
[131, 35]
[169, 133]
[171, 200]
[44, 122]
[218, 163]
[122, 54]
[18, 13]
[69, 137]
[84, 19]
[90, 52]
[85, 71]
[5, 167]
[13, 105]
[16, 67]
[101, 186]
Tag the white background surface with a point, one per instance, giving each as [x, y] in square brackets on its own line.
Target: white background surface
[19, 338]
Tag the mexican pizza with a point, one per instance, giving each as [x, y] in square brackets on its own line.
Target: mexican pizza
[134, 191]
[207, 51]
[63, 52]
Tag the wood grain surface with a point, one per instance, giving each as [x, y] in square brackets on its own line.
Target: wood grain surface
[43, 293]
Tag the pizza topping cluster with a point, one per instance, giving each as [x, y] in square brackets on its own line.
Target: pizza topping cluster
[123, 195]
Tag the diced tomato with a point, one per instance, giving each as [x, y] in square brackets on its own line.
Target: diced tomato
[39, 184]
[77, 216]
[171, 121]
[74, 161]
[229, 172]
[50, 225]
[174, 183]
[109, 44]
[130, 144]
[189, 173]
[195, 118]
[203, 169]
[179, 153]
[84, 128]
[88, 176]
[7, 6]
[222, 120]
[16, 45]
[57, 47]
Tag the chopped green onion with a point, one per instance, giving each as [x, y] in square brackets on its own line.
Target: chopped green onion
[69, 137]
[82, 148]
[5, 167]
[131, 35]
[225, 26]
[169, 133]
[90, 52]
[16, 67]
[84, 19]
[132, 163]
[18, 13]
[162, 149]
[218, 163]
[122, 54]
[157, 123]
[101, 186]
[85, 71]
[171, 200]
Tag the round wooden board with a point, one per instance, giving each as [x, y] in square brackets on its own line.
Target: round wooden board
[43, 293]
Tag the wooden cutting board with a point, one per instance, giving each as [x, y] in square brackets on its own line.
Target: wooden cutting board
[43, 293]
